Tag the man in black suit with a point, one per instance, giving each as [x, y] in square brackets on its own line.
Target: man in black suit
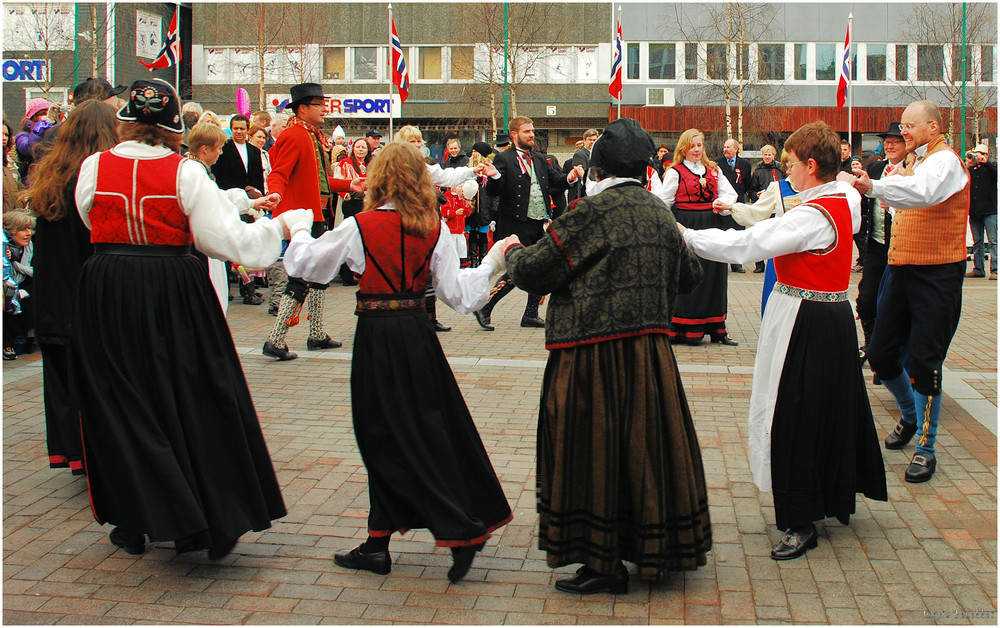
[738, 171]
[877, 243]
[582, 158]
[240, 165]
[524, 182]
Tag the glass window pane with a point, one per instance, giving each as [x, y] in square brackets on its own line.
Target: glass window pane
[826, 62]
[800, 62]
[854, 62]
[956, 63]
[333, 63]
[743, 61]
[876, 62]
[902, 63]
[662, 61]
[771, 62]
[462, 62]
[655, 95]
[717, 67]
[930, 63]
[987, 53]
[430, 64]
[366, 64]
[632, 61]
[690, 60]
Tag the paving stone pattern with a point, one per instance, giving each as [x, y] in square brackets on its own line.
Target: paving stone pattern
[928, 556]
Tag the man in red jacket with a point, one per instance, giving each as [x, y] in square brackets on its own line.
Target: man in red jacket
[302, 176]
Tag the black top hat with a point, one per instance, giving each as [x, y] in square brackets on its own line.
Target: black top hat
[373, 133]
[153, 102]
[502, 139]
[483, 149]
[303, 91]
[624, 149]
[894, 130]
[96, 89]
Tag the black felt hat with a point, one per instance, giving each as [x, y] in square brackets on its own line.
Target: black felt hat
[483, 149]
[502, 139]
[894, 130]
[153, 102]
[302, 91]
[97, 89]
[624, 149]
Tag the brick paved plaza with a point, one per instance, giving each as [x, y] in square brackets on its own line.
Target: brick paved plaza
[927, 556]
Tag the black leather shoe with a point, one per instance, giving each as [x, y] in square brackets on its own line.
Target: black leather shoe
[483, 320]
[376, 562]
[275, 352]
[439, 327]
[795, 543]
[462, 561]
[587, 581]
[253, 299]
[326, 343]
[726, 340]
[132, 543]
[738, 269]
[9, 353]
[532, 321]
[221, 551]
[273, 310]
[921, 468]
[760, 268]
[901, 435]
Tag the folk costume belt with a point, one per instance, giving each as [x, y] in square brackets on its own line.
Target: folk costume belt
[811, 295]
[144, 250]
[388, 304]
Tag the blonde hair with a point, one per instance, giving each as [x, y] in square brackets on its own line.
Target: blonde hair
[407, 133]
[768, 147]
[399, 176]
[14, 221]
[684, 144]
[205, 134]
[211, 118]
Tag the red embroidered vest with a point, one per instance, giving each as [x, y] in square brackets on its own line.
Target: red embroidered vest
[136, 202]
[827, 270]
[394, 262]
[691, 194]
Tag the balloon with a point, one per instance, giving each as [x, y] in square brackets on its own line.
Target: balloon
[242, 102]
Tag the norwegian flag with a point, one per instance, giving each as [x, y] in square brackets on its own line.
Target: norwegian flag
[170, 54]
[845, 72]
[400, 78]
[615, 88]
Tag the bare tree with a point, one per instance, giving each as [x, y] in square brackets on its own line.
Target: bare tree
[937, 28]
[39, 27]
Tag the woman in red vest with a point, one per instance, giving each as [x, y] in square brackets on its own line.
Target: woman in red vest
[173, 449]
[691, 185]
[812, 436]
[427, 467]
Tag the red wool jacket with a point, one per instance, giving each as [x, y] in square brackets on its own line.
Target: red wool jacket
[295, 175]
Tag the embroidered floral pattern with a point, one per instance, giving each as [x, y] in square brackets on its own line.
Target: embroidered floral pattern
[376, 304]
[811, 295]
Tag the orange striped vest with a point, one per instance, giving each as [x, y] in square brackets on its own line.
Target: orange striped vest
[931, 235]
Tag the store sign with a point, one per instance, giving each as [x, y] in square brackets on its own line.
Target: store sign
[21, 70]
[354, 105]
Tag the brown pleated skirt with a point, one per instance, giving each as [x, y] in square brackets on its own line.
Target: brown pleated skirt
[620, 475]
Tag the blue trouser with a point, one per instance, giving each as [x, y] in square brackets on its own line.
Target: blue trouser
[979, 224]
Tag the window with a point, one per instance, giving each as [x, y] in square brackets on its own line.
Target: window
[662, 61]
[429, 64]
[366, 63]
[987, 62]
[826, 62]
[691, 60]
[462, 63]
[333, 63]
[654, 96]
[902, 62]
[876, 62]
[801, 64]
[743, 62]
[956, 63]
[717, 68]
[771, 62]
[854, 62]
[632, 61]
[930, 63]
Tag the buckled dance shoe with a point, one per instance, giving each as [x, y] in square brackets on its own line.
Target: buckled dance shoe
[587, 581]
[376, 562]
[900, 435]
[795, 543]
[921, 468]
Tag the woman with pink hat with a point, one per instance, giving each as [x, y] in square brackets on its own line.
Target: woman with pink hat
[36, 122]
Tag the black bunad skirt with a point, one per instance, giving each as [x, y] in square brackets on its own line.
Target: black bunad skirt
[427, 467]
[172, 444]
[704, 309]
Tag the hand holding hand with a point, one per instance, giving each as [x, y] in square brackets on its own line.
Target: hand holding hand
[575, 174]
[266, 203]
[359, 185]
[296, 220]
[720, 207]
[486, 168]
[863, 182]
[495, 256]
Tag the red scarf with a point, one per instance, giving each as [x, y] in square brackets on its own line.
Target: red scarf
[323, 140]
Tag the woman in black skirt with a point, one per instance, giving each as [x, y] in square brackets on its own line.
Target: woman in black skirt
[427, 467]
[173, 449]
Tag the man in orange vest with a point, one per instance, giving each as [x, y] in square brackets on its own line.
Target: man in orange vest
[922, 298]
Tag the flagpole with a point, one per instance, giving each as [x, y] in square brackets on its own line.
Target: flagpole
[391, 91]
[177, 64]
[850, 73]
[621, 62]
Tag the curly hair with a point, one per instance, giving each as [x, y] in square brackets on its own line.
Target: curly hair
[14, 221]
[684, 144]
[399, 176]
[90, 128]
